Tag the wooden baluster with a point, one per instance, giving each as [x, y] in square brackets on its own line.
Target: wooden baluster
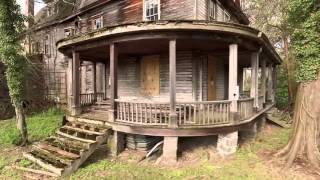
[160, 115]
[209, 113]
[184, 113]
[194, 112]
[190, 109]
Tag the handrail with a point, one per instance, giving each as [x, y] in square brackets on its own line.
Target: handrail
[246, 99]
[188, 113]
[179, 102]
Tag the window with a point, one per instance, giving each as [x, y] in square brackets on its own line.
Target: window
[97, 23]
[151, 10]
[222, 14]
[212, 10]
[46, 45]
[68, 32]
[35, 47]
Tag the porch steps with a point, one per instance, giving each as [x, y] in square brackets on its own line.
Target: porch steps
[63, 153]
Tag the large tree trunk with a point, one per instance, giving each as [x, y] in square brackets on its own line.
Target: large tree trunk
[21, 123]
[304, 139]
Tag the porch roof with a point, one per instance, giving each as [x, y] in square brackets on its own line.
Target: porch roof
[122, 32]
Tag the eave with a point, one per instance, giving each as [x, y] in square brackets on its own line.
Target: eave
[158, 26]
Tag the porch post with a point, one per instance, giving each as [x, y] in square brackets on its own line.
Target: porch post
[69, 83]
[113, 77]
[94, 80]
[99, 78]
[103, 76]
[233, 77]
[75, 100]
[263, 79]
[270, 82]
[83, 78]
[172, 58]
[274, 82]
[254, 78]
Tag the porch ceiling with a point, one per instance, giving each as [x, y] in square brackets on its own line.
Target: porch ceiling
[151, 37]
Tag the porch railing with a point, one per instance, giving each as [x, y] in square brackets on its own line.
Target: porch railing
[90, 98]
[188, 113]
[143, 113]
[203, 113]
[245, 108]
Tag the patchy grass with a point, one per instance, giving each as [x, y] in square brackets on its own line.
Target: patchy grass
[40, 125]
[246, 164]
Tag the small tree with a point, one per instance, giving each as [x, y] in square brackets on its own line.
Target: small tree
[304, 20]
[11, 27]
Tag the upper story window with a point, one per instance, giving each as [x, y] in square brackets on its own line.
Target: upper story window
[68, 32]
[97, 23]
[222, 14]
[212, 10]
[46, 45]
[151, 10]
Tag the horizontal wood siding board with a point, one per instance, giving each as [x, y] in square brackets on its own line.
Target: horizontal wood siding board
[177, 9]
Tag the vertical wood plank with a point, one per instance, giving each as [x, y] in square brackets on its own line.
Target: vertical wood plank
[172, 76]
[113, 75]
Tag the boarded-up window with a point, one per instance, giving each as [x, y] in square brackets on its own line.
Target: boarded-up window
[150, 77]
[211, 79]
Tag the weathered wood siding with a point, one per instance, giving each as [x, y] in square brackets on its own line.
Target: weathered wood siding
[221, 79]
[177, 9]
[202, 9]
[188, 83]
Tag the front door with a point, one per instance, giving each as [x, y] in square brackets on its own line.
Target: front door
[150, 76]
[211, 79]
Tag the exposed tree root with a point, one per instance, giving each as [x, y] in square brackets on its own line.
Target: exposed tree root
[304, 139]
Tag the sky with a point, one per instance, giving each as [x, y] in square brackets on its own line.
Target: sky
[38, 4]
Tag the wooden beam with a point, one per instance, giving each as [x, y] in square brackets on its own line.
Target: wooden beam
[254, 78]
[94, 79]
[113, 76]
[69, 83]
[75, 83]
[172, 75]
[233, 77]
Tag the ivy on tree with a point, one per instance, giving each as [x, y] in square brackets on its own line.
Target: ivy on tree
[11, 31]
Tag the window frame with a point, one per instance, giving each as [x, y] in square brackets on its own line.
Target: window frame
[144, 18]
[94, 22]
[214, 3]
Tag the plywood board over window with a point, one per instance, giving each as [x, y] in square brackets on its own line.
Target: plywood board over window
[212, 83]
[150, 76]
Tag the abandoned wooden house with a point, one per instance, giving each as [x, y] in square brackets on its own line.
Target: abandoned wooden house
[160, 68]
